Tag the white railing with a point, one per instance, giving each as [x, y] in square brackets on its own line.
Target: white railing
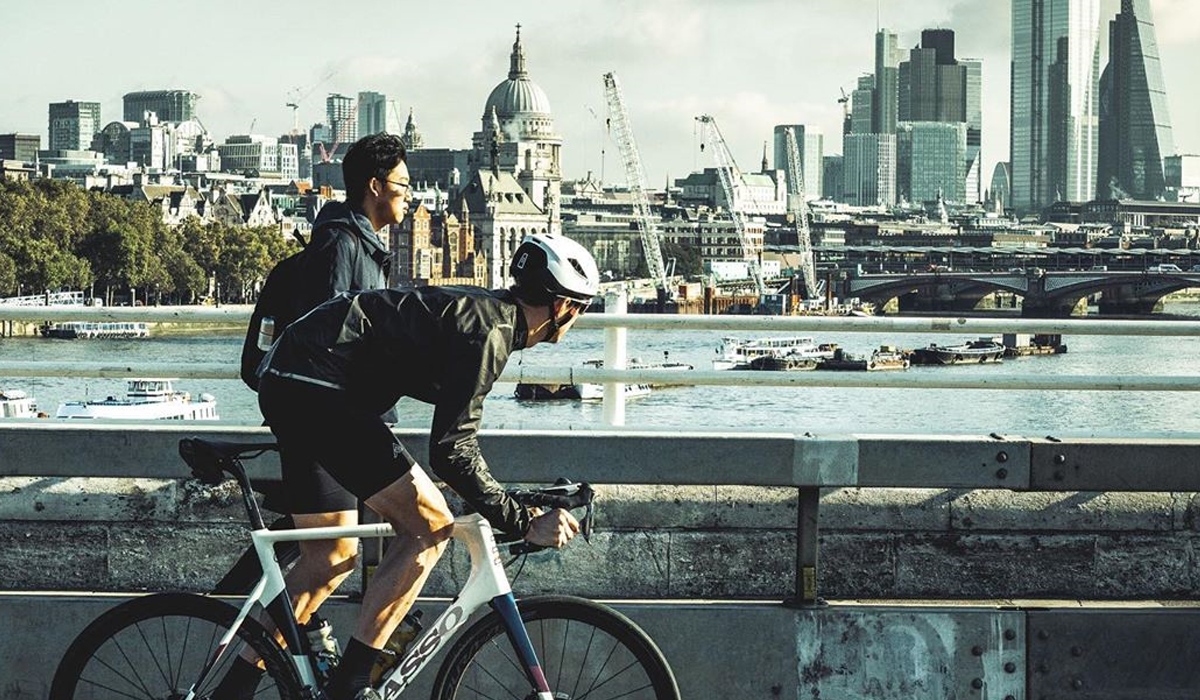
[614, 374]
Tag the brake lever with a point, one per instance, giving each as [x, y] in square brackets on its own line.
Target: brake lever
[587, 523]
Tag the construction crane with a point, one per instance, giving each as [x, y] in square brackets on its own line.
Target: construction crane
[798, 205]
[298, 95]
[635, 178]
[727, 170]
[844, 101]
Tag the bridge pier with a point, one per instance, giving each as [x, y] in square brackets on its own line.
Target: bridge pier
[1126, 301]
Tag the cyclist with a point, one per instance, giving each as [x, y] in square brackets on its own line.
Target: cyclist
[323, 387]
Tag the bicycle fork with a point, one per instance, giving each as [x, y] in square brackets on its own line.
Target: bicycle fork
[506, 606]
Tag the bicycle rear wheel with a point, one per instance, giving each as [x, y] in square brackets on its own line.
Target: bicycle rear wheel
[587, 651]
[156, 647]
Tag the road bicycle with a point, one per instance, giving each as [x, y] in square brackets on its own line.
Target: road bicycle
[178, 646]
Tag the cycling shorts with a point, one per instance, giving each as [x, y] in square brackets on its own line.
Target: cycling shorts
[332, 451]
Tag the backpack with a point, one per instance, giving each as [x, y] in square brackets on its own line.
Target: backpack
[277, 300]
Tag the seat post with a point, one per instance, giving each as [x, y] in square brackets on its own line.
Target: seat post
[252, 510]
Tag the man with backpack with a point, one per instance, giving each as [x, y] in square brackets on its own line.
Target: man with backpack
[324, 384]
[345, 254]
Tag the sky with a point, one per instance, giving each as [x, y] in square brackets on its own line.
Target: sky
[750, 63]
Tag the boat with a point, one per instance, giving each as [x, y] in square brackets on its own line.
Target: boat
[734, 353]
[885, 358]
[15, 403]
[888, 357]
[1024, 345]
[72, 330]
[980, 351]
[785, 363]
[591, 391]
[145, 399]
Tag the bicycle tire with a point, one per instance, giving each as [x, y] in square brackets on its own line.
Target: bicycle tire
[464, 676]
[95, 664]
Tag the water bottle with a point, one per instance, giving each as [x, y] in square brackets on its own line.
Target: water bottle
[266, 333]
[324, 645]
[393, 651]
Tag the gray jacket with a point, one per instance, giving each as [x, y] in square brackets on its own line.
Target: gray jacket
[344, 255]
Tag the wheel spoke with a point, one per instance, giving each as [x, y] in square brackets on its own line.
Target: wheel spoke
[598, 687]
[507, 658]
[630, 692]
[498, 681]
[120, 675]
[133, 668]
[563, 654]
[480, 693]
[167, 645]
[113, 690]
[587, 652]
[616, 643]
[153, 656]
[187, 634]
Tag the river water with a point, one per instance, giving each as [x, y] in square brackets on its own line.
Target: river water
[704, 409]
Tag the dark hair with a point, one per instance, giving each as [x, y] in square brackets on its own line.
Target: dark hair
[371, 156]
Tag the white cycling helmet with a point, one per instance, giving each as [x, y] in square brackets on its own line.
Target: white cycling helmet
[555, 266]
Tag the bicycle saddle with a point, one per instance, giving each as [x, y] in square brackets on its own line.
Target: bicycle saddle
[210, 459]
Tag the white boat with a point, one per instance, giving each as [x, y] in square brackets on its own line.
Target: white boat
[735, 353]
[15, 403]
[145, 399]
[588, 391]
[95, 329]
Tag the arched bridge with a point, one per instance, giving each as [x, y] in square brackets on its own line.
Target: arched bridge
[1045, 294]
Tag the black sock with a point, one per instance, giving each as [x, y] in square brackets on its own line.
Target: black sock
[240, 681]
[353, 672]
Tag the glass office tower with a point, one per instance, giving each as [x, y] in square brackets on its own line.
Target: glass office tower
[1135, 126]
[1055, 101]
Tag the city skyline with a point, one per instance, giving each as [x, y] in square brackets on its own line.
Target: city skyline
[662, 51]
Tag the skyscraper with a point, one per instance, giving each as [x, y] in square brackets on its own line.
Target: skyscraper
[869, 169]
[885, 102]
[935, 82]
[810, 143]
[170, 105]
[932, 160]
[73, 124]
[372, 113]
[340, 115]
[862, 102]
[974, 115]
[1055, 100]
[1135, 127]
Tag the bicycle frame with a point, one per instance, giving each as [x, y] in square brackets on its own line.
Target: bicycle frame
[487, 584]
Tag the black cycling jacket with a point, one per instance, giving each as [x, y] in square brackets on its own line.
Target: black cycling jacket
[441, 345]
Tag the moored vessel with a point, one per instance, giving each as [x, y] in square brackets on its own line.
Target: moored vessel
[145, 399]
[734, 353]
[71, 330]
[591, 391]
[973, 352]
[15, 403]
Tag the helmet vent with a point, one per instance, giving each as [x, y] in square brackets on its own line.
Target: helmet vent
[578, 268]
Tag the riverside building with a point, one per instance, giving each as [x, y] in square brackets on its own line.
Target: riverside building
[72, 125]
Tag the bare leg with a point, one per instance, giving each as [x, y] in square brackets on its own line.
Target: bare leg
[321, 568]
[323, 564]
[423, 523]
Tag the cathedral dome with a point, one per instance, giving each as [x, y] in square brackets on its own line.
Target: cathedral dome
[518, 95]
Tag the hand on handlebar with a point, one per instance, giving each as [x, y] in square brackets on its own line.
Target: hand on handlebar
[553, 528]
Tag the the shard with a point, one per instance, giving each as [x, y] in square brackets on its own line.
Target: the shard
[1135, 127]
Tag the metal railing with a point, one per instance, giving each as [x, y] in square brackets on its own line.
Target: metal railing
[616, 325]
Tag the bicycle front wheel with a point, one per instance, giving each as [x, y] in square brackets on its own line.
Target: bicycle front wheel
[156, 648]
[587, 651]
